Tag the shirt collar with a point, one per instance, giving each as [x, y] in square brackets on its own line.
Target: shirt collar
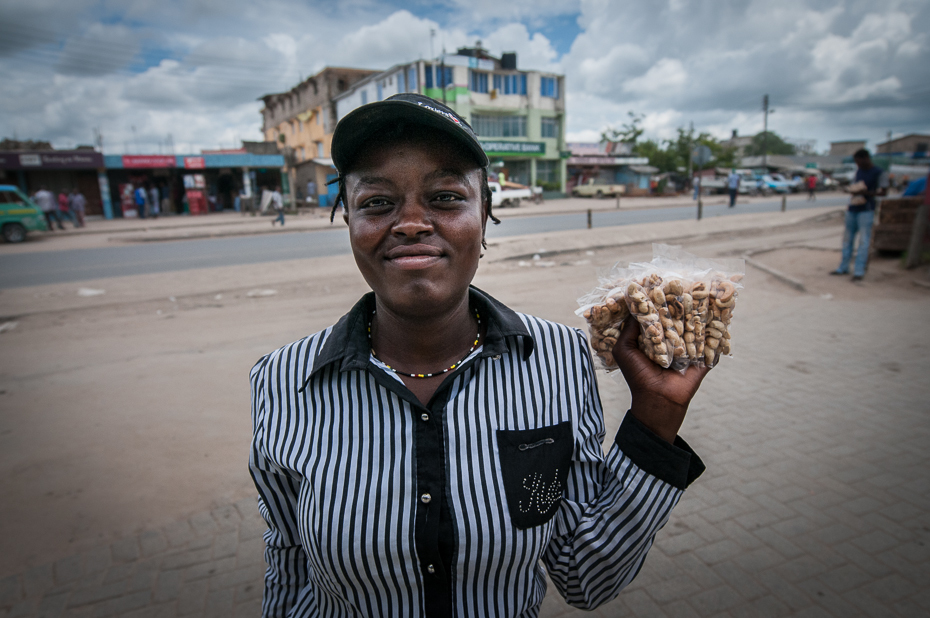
[348, 341]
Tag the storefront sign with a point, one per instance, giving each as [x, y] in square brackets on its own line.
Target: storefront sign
[140, 161]
[194, 163]
[55, 159]
[601, 160]
[513, 148]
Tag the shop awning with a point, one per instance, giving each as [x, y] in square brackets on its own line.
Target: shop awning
[644, 169]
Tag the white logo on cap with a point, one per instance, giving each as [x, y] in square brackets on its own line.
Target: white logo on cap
[440, 112]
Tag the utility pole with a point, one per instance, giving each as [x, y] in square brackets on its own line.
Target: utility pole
[690, 148]
[442, 72]
[765, 131]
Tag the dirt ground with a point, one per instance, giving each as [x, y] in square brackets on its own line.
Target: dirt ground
[130, 410]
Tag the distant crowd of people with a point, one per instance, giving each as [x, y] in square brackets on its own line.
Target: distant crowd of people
[64, 207]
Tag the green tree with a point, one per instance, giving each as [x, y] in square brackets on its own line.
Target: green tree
[628, 133]
[774, 145]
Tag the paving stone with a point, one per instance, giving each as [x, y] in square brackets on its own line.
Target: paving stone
[203, 524]
[844, 578]
[96, 560]
[123, 605]
[209, 569]
[118, 573]
[152, 542]
[187, 558]
[640, 604]
[125, 550]
[168, 585]
[714, 601]
[37, 581]
[160, 610]
[231, 579]
[52, 606]
[11, 590]
[227, 518]
[249, 609]
[179, 533]
[192, 598]
[890, 589]
[764, 607]
[225, 544]
[717, 552]
[875, 542]
[680, 609]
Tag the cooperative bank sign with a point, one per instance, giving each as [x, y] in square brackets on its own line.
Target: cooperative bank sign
[535, 149]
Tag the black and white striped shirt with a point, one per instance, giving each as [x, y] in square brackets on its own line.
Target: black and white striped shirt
[379, 506]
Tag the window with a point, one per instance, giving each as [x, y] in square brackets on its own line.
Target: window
[412, 79]
[499, 126]
[479, 81]
[401, 87]
[549, 127]
[364, 97]
[380, 91]
[549, 87]
[510, 84]
[547, 171]
[436, 77]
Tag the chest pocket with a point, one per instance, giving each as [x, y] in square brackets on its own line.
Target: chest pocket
[534, 464]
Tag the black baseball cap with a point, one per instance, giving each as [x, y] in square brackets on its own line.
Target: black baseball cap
[362, 123]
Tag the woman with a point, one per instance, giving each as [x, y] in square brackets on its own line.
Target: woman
[426, 453]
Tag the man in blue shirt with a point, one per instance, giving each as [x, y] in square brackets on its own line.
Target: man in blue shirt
[870, 181]
[733, 186]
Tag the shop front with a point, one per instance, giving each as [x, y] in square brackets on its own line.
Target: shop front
[525, 163]
[191, 184]
[59, 171]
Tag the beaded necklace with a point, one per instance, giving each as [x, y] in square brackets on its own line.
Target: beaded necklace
[426, 375]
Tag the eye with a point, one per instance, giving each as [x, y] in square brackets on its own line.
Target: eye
[376, 203]
[448, 198]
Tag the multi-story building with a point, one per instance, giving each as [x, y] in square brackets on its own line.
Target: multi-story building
[301, 122]
[519, 116]
[915, 144]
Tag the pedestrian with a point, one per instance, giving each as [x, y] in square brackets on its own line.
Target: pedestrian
[697, 186]
[46, 200]
[278, 205]
[140, 197]
[812, 188]
[733, 181]
[311, 192]
[433, 450]
[870, 181]
[78, 206]
[64, 211]
[154, 201]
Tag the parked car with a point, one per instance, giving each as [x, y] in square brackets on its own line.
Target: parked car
[592, 189]
[18, 214]
[508, 197]
[773, 183]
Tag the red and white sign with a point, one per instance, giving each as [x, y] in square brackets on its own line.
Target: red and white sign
[194, 163]
[139, 161]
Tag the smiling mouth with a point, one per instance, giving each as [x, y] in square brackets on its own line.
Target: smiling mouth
[413, 257]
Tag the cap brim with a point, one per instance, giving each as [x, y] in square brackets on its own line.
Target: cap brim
[364, 122]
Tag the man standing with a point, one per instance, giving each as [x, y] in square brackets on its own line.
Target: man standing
[278, 204]
[140, 197]
[78, 204]
[870, 182]
[311, 192]
[45, 200]
[811, 188]
[733, 181]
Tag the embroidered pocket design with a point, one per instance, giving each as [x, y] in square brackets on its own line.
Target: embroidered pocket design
[534, 465]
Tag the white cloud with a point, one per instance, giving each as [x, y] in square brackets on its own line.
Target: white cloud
[194, 68]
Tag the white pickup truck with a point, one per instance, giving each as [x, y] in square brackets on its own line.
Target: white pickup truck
[508, 197]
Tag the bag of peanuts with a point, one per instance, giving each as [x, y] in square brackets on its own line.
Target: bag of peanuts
[683, 305]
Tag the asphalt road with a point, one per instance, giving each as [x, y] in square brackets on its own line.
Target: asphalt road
[46, 267]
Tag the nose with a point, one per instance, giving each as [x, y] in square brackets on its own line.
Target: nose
[413, 219]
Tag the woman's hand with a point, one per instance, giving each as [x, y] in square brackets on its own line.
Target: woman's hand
[660, 396]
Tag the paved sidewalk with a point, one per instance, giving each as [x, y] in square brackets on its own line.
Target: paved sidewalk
[816, 499]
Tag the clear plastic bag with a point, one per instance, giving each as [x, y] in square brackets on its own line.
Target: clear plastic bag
[683, 305]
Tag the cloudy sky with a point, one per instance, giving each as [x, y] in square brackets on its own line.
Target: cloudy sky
[141, 70]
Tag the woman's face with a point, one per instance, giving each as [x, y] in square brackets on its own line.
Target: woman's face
[416, 222]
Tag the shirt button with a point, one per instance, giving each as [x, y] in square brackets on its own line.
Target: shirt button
[496, 357]
[425, 498]
[430, 569]
[424, 417]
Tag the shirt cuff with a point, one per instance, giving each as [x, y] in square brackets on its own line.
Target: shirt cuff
[676, 464]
